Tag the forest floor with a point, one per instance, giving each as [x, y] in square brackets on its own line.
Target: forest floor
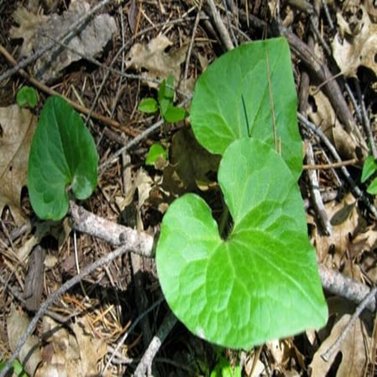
[114, 321]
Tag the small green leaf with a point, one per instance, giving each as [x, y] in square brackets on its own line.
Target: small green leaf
[262, 282]
[249, 91]
[369, 168]
[27, 97]
[155, 152]
[148, 105]
[173, 114]
[166, 90]
[224, 369]
[17, 368]
[372, 188]
[63, 155]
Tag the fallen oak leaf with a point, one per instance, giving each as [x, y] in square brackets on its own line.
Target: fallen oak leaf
[153, 58]
[17, 127]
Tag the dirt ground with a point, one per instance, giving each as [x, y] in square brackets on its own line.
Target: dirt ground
[114, 321]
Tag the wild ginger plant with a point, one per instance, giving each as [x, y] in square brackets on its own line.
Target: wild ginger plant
[261, 282]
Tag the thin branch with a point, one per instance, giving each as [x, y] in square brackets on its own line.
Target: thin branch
[145, 365]
[84, 221]
[335, 346]
[219, 24]
[316, 195]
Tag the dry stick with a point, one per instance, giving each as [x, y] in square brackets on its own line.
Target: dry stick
[52, 46]
[335, 346]
[128, 332]
[156, 126]
[189, 51]
[58, 293]
[86, 222]
[103, 119]
[342, 286]
[219, 24]
[316, 195]
[94, 225]
[310, 126]
[333, 165]
[145, 365]
[365, 121]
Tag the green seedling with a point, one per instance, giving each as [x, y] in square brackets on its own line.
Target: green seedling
[156, 152]
[261, 281]
[224, 369]
[27, 97]
[370, 170]
[164, 103]
[62, 161]
[17, 368]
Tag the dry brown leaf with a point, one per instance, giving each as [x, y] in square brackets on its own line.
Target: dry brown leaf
[344, 218]
[30, 354]
[67, 354]
[16, 131]
[37, 31]
[356, 42]
[354, 350]
[153, 58]
[190, 164]
[322, 113]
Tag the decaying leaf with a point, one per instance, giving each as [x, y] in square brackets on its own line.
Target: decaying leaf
[322, 113]
[37, 31]
[30, 354]
[344, 218]
[190, 165]
[157, 63]
[356, 42]
[67, 354]
[16, 131]
[354, 350]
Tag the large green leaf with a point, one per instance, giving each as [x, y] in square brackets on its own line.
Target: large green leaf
[260, 283]
[63, 155]
[249, 91]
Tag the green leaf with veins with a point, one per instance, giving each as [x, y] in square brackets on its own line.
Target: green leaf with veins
[249, 92]
[63, 155]
[261, 283]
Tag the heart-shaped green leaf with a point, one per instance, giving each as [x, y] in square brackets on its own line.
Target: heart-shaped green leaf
[249, 91]
[260, 283]
[62, 154]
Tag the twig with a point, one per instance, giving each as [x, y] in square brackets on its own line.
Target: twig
[189, 51]
[105, 120]
[327, 13]
[55, 296]
[219, 24]
[342, 286]
[365, 121]
[332, 281]
[310, 126]
[145, 365]
[84, 221]
[129, 331]
[132, 143]
[52, 46]
[333, 165]
[316, 195]
[335, 346]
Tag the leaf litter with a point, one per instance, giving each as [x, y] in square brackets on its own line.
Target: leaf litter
[355, 236]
